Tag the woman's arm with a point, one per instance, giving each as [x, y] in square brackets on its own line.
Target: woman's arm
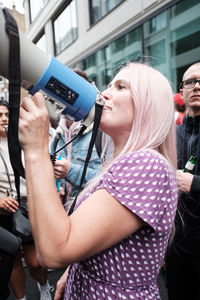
[100, 222]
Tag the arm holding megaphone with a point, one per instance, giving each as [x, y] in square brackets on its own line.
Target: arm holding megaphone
[40, 180]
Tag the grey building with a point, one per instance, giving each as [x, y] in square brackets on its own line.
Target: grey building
[99, 35]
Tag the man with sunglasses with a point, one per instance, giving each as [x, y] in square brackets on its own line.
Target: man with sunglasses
[183, 257]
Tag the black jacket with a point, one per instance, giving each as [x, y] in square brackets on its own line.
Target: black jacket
[187, 236]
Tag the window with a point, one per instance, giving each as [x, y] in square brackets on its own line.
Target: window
[106, 76]
[186, 38]
[157, 52]
[65, 28]
[133, 36]
[35, 8]
[170, 40]
[99, 8]
[184, 5]
[104, 61]
[119, 44]
[158, 23]
[89, 62]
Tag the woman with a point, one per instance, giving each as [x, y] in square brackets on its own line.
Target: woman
[116, 239]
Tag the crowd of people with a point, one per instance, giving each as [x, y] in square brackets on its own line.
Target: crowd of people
[137, 209]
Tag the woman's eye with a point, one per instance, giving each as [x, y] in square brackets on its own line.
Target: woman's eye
[121, 86]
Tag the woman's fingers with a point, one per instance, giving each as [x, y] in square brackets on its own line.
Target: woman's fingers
[34, 123]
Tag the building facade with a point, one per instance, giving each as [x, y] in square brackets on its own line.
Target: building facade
[99, 35]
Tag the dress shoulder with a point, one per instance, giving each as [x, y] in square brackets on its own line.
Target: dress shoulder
[144, 183]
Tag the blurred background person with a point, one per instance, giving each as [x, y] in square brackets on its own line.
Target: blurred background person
[180, 110]
[8, 206]
[9, 245]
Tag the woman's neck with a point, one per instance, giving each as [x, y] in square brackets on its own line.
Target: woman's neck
[119, 144]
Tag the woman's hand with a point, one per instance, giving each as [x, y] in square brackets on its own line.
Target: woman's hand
[34, 124]
[9, 204]
[60, 286]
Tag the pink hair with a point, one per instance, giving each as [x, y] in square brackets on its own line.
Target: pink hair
[153, 125]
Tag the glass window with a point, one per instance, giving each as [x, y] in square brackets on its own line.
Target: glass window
[119, 44]
[133, 36]
[101, 64]
[65, 28]
[106, 76]
[35, 8]
[99, 8]
[158, 52]
[107, 53]
[186, 44]
[174, 42]
[158, 23]
[90, 61]
[170, 40]
[182, 6]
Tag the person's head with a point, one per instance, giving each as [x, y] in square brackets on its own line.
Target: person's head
[4, 115]
[190, 89]
[82, 74]
[179, 103]
[139, 111]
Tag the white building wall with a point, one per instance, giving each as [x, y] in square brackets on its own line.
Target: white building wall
[89, 39]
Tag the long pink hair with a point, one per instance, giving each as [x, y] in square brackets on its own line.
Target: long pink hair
[153, 124]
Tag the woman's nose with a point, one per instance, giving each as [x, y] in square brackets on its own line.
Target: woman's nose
[106, 94]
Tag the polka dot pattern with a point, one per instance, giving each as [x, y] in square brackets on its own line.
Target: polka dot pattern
[144, 183]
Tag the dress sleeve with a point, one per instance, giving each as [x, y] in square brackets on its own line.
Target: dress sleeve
[143, 183]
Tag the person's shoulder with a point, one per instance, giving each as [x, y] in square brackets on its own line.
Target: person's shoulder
[145, 155]
[180, 128]
[180, 132]
[139, 160]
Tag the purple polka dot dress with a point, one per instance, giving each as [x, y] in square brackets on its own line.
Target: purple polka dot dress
[145, 184]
